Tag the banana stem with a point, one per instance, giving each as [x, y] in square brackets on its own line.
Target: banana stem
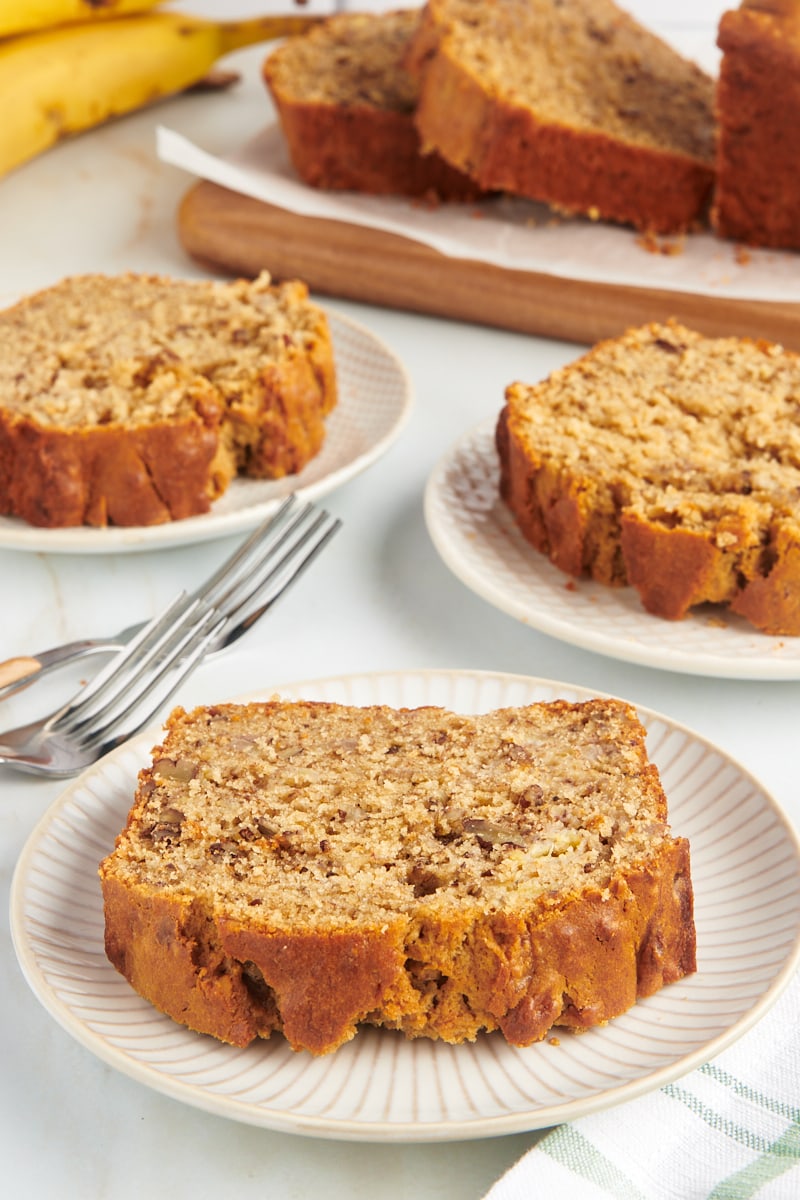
[235, 34]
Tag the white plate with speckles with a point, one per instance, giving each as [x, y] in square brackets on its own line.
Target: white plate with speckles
[375, 400]
[476, 536]
[380, 1087]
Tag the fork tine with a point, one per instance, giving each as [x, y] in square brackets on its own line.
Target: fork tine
[262, 571]
[293, 563]
[269, 530]
[145, 674]
[128, 685]
[149, 641]
[172, 671]
[284, 574]
[179, 665]
[154, 634]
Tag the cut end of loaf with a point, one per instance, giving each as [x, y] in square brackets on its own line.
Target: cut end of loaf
[574, 104]
[346, 105]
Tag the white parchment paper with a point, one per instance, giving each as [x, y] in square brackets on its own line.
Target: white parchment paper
[510, 233]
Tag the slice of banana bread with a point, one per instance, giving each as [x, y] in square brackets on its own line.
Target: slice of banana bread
[569, 102]
[670, 461]
[757, 194]
[309, 867]
[346, 106]
[134, 399]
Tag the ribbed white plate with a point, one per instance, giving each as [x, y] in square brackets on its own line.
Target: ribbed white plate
[476, 536]
[380, 1087]
[375, 399]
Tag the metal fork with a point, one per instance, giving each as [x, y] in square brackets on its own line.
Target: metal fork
[128, 692]
[20, 672]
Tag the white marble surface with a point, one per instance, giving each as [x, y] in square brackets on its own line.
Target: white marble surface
[380, 598]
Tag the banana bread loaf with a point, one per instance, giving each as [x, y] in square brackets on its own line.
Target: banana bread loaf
[308, 867]
[757, 195]
[569, 102]
[669, 461]
[346, 106]
[134, 399]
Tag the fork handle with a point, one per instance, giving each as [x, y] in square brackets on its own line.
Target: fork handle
[19, 673]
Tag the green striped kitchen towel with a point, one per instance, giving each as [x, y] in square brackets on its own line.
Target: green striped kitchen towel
[727, 1131]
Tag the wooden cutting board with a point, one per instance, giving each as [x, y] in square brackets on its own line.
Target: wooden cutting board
[243, 236]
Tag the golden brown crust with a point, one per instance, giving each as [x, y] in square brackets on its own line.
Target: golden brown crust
[593, 957]
[169, 951]
[364, 150]
[364, 139]
[111, 476]
[500, 139]
[559, 512]
[135, 399]
[682, 488]
[771, 600]
[757, 195]
[324, 984]
[673, 569]
[578, 963]
[269, 926]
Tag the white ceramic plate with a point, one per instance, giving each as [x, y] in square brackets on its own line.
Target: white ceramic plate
[477, 538]
[380, 1087]
[375, 400]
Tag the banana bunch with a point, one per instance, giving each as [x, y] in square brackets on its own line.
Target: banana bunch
[20, 16]
[73, 75]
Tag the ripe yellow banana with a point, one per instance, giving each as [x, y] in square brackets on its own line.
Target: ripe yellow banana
[21, 16]
[69, 79]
